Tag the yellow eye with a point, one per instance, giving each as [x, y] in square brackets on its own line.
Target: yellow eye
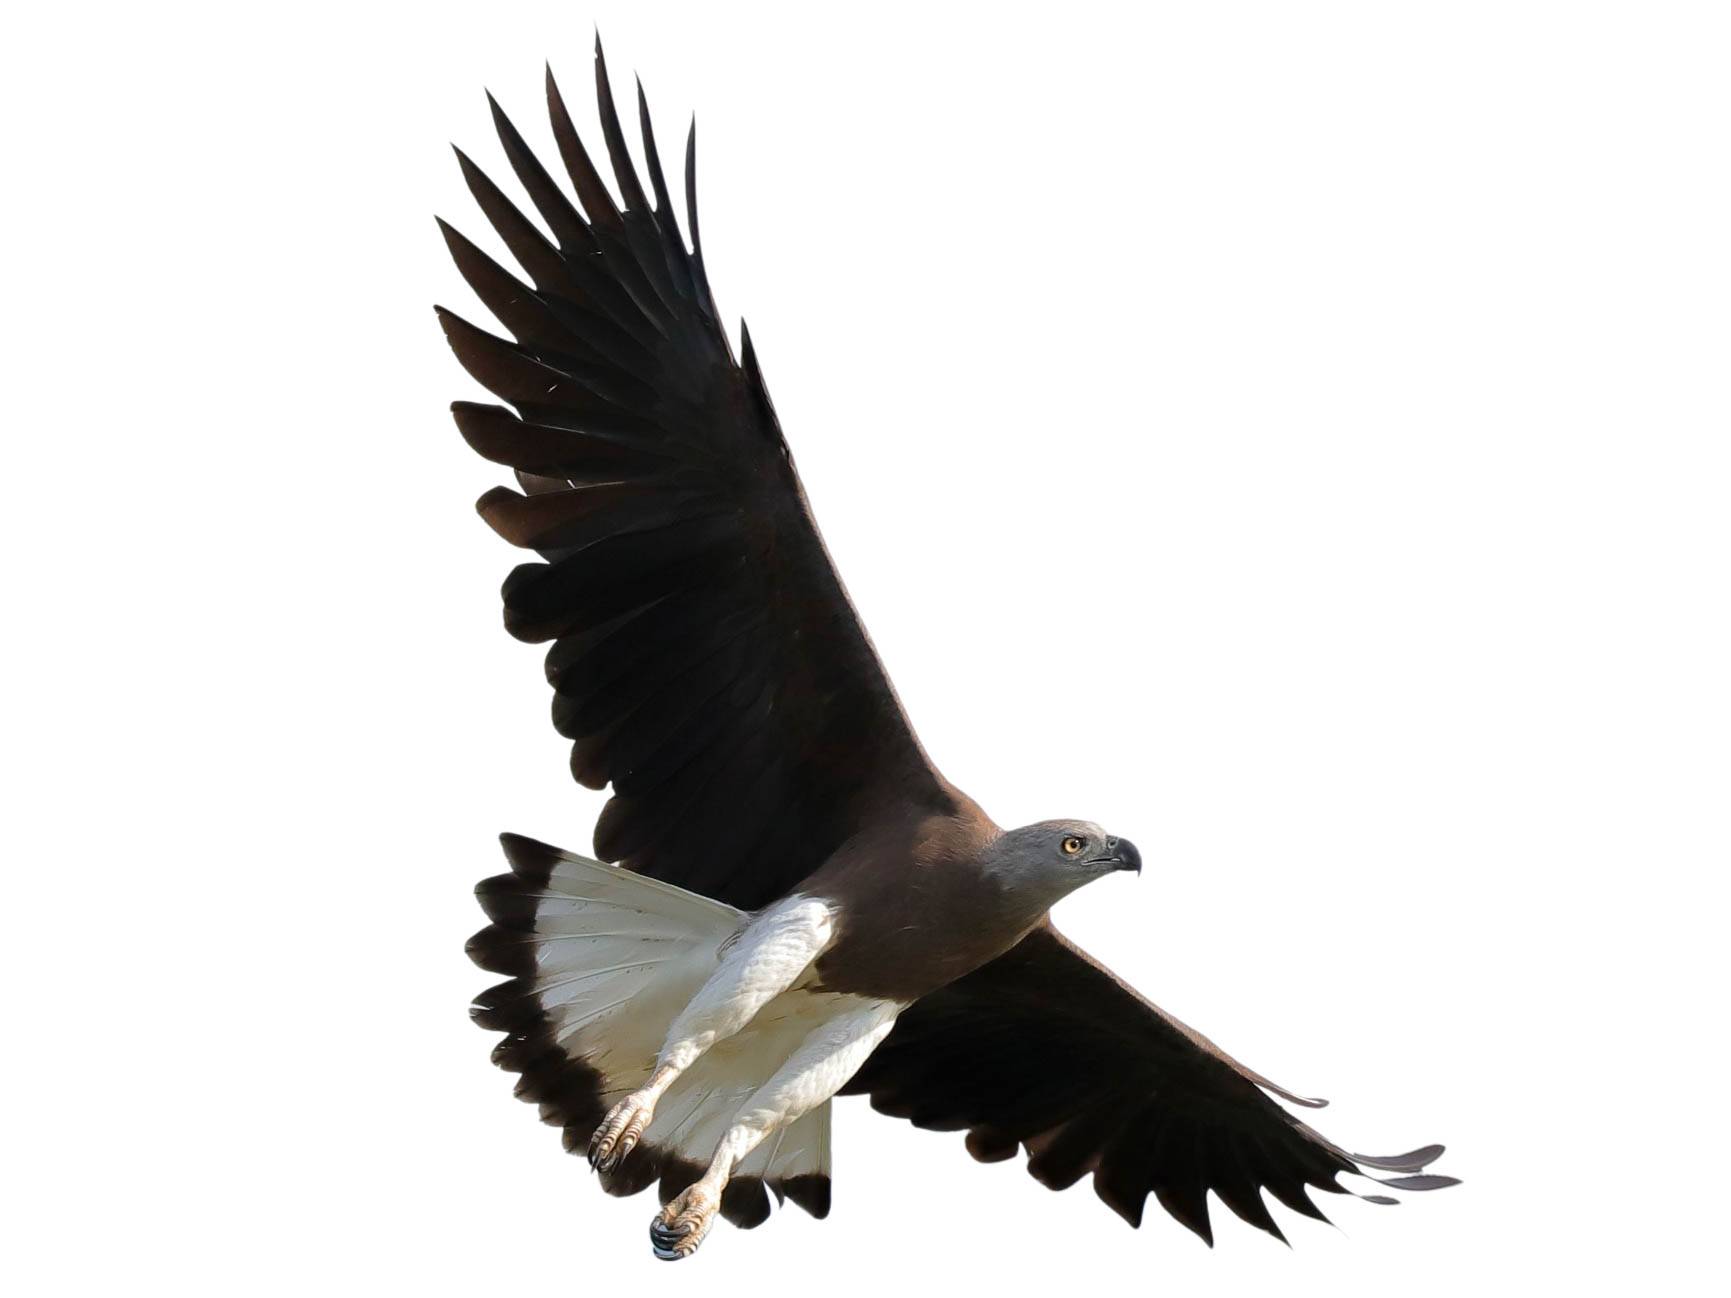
[1072, 845]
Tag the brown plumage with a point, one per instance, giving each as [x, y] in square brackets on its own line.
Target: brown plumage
[708, 667]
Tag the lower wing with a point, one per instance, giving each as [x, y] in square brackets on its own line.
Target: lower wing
[1046, 1050]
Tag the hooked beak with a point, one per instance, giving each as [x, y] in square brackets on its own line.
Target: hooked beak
[1123, 854]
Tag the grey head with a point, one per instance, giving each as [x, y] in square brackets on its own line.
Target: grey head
[1041, 864]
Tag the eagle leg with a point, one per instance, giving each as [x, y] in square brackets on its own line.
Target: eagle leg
[825, 1060]
[681, 1225]
[762, 961]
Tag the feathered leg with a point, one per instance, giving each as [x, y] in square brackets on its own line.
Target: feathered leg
[765, 960]
[821, 1066]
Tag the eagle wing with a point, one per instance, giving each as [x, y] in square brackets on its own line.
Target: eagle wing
[705, 659]
[1046, 1050]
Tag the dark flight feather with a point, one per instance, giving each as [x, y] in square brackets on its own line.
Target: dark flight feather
[566, 223]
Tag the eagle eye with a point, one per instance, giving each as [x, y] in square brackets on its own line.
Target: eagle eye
[1071, 845]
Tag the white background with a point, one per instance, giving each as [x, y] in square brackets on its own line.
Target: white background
[1293, 436]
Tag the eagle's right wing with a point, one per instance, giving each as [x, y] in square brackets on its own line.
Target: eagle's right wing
[706, 662]
[1046, 1050]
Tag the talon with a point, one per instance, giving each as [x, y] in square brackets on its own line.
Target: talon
[619, 1132]
[679, 1227]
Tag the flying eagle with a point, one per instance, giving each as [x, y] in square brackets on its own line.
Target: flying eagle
[800, 905]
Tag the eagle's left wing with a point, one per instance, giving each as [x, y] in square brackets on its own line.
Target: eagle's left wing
[1046, 1050]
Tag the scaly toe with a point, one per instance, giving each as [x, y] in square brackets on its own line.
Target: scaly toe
[680, 1227]
[619, 1133]
[600, 1145]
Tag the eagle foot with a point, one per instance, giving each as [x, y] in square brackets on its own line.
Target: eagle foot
[619, 1132]
[680, 1226]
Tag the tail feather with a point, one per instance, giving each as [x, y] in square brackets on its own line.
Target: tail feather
[600, 961]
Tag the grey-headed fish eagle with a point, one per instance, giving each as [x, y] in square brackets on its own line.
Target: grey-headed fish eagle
[799, 904]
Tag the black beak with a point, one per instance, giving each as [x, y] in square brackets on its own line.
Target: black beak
[1127, 855]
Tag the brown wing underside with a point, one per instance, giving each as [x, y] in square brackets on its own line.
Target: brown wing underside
[1045, 1050]
[706, 662]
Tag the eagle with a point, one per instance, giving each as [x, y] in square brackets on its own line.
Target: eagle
[787, 901]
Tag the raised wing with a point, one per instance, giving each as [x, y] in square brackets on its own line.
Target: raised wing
[705, 659]
[1047, 1050]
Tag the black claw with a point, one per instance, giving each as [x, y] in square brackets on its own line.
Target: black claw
[664, 1241]
[600, 1159]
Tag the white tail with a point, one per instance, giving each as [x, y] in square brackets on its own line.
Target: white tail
[602, 960]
